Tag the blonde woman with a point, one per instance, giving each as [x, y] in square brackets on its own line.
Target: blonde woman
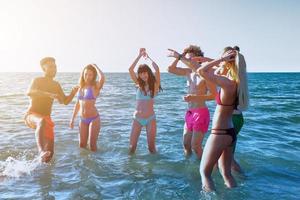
[89, 126]
[233, 92]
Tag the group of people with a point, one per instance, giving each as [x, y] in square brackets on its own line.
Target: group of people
[203, 75]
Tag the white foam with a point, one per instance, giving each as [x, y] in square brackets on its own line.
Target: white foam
[15, 168]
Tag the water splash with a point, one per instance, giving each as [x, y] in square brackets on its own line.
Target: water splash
[18, 167]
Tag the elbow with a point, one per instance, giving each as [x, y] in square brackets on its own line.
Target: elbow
[170, 69]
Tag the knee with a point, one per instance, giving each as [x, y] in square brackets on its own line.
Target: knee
[204, 171]
[196, 147]
[187, 145]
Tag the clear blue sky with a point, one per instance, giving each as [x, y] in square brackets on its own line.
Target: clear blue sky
[110, 32]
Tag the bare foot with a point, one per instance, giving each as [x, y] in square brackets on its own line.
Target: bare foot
[206, 188]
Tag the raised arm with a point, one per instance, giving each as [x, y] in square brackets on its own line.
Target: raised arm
[101, 80]
[177, 70]
[75, 111]
[202, 59]
[157, 73]
[133, 65]
[207, 71]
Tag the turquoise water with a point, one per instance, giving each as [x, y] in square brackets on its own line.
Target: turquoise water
[268, 146]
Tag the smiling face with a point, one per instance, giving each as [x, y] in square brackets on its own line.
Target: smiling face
[144, 76]
[49, 69]
[89, 76]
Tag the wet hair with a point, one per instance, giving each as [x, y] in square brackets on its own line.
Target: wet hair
[151, 80]
[81, 79]
[46, 59]
[196, 50]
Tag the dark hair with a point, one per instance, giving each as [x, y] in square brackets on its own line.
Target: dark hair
[81, 79]
[151, 80]
[236, 48]
[195, 50]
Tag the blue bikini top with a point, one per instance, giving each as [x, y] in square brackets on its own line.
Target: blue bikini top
[88, 94]
[141, 96]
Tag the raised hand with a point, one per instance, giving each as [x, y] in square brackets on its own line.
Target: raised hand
[229, 56]
[143, 52]
[173, 53]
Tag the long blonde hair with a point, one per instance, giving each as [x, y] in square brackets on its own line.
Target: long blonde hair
[243, 93]
[81, 79]
[238, 72]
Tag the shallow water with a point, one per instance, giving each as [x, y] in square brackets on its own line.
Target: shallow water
[268, 146]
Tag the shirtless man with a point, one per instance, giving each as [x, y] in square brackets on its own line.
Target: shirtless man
[199, 91]
[42, 92]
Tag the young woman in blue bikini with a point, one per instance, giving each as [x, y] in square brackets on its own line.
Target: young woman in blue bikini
[89, 126]
[148, 85]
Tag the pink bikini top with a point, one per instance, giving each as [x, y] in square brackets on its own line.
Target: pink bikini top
[218, 101]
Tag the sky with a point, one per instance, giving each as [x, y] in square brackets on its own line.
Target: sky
[110, 32]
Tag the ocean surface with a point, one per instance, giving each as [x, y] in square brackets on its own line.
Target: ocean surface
[268, 146]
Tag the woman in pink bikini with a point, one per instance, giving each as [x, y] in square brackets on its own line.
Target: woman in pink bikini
[232, 93]
[148, 85]
[89, 126]
[199, 91]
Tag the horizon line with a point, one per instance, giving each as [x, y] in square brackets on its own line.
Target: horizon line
[128, 72]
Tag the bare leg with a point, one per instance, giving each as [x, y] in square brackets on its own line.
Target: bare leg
[134, 136]
[187, 140]
[213, 149]
[49, 149]
[83, 134]
[197, 143]
[39, 132]
[45, 153]
[94, 133]
[151, 135]
[235, 166]
[225, 166]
